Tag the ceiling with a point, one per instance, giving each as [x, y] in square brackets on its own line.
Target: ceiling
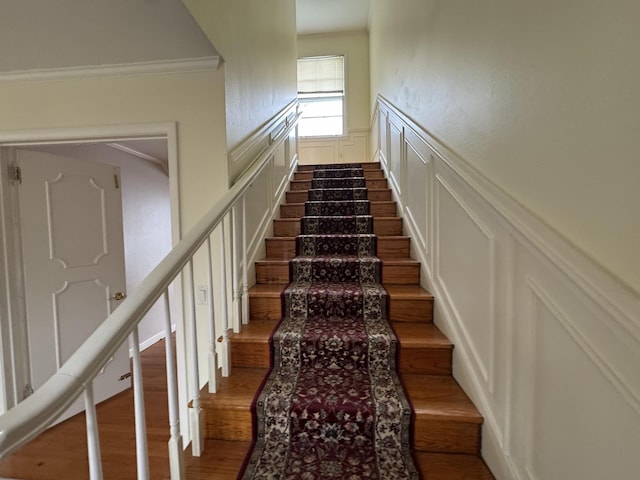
[320, 16]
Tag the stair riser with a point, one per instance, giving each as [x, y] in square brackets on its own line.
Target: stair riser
[388, 248]
[425, 361]
[429, 435]
[250, 355]
[373, 183]
[401, 274]
[410, 310]
[444, 436]
[400, 310]
[228, 424]
[265, 308]
[391, 274]
[373, 195]
[381, 227]
[377, 210]
[422, 361]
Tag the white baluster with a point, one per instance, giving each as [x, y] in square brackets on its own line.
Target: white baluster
[213, 361]
[245, 267]
[224, 345]
[195, 412]
[235, 277]
[142, 455]
[93, 437]
[176, 452]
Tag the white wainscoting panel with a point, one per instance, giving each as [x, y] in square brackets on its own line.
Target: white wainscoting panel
[258, 204]
[396, 156]
[547, 343]
[417, 210]
[318, 152]
[465, 272]
[353, 148]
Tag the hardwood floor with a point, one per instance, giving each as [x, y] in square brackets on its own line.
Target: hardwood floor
[61, 452]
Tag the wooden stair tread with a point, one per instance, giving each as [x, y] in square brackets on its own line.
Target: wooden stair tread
[395, 291]
[368, 173]
[450, 466]
[399, 261]
[267, 289]
[236, 391]
[387, 261]
[256, 331]
[408, 291]
[222, 460]
[440, 398]
[372, 202]
[382, 226]
[278, 261]
[373, 194]
[364, 165]
[293, 239]
[420, 335]
[389, 247]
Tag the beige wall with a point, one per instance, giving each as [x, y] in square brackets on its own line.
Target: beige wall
[355, 47]
[540, 97]
[195, 101]
[257, 40]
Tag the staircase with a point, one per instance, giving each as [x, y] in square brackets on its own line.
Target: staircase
[446, 425]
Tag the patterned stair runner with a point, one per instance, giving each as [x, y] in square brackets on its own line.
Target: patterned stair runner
[333, 406]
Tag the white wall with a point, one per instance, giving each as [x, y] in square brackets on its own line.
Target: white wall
[195, 101]
[508, 134]
[540, 97]
[354, 146]
[257, 39]
[146, 216]
[547, 343]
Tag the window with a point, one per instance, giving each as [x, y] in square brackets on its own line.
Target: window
[321, 96]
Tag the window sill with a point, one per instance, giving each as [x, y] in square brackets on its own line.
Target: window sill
[323, 137]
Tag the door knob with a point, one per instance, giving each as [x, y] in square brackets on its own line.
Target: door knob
[118, 296]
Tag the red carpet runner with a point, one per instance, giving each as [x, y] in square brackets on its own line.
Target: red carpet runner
[332, 406]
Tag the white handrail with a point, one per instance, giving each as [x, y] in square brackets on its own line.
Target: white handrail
[33, 415]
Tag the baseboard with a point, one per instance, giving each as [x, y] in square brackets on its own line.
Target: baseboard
[151, 341]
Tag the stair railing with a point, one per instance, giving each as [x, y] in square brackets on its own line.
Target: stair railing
[75, 377]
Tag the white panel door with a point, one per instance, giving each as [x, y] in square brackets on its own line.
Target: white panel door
[71, 220]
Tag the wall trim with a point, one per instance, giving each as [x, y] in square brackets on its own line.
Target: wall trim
[184, 65]
[167, 131]
[242, 156]
[619, 299]
[524, 257]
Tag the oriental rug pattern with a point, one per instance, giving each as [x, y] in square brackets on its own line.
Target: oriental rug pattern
[333, 406]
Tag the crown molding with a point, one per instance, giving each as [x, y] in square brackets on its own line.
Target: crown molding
[186, 65]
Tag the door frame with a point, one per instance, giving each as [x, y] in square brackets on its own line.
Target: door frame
[14, 362]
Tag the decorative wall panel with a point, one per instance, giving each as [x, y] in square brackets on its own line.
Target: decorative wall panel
[547, 343]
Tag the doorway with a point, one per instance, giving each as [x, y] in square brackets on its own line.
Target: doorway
[149, 215]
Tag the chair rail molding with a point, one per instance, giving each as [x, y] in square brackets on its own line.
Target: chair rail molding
[546, 338]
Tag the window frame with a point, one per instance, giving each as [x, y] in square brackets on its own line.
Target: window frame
[318, 97]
